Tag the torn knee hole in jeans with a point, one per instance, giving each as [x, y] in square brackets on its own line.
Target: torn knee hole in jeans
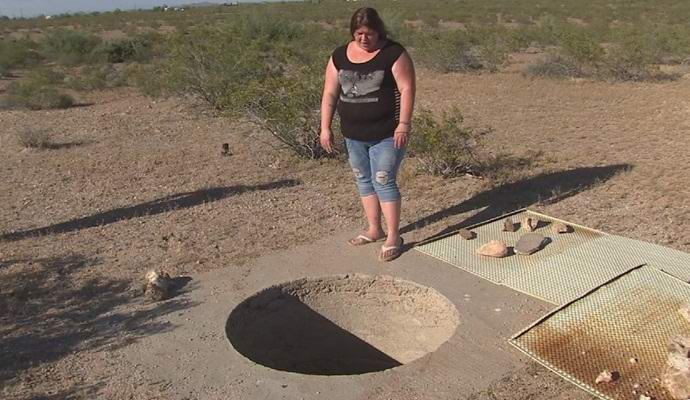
[382, 177]
[358, 173]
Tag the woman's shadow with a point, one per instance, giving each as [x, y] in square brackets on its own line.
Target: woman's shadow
[543, 188]
[158, 206]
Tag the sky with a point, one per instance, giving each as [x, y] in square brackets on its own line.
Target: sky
[30, 8]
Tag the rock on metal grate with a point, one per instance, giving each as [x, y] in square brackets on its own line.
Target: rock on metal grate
[462, 253]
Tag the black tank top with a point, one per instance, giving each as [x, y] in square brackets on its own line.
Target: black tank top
[369, 103]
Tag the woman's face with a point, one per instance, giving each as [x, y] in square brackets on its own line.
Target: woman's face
[366, 38]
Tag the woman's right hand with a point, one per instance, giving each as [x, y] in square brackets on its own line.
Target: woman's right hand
[326, 139]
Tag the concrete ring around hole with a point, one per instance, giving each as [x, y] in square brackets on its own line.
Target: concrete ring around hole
[341, 325]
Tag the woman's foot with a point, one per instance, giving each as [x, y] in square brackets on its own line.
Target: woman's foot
[366, 238]
[391, 252]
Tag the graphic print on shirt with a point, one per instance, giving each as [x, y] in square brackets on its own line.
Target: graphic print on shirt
[356, 86]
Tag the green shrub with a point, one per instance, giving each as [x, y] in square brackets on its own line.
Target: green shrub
[447, 51]
[218, 63]
[16, 54]
[123, 50]
[288, 108]
[36, 95]
[92, 77]
[463, 51]
[555, 66]
[70, 47]
[44, 76]
[446, 147]
[581, 47]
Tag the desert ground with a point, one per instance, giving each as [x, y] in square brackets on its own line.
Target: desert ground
[133, 183]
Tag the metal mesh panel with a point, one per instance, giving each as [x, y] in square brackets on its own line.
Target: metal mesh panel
[462, 253]
[564, 277]
[631, 317]
[571, 265]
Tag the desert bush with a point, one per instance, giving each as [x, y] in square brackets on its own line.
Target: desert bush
[554, 65]
[217, 63]
[288, 108]
[128, 49]
[45, 76]
[36, 95]
[449, 51]
[580, 47]
[446, 147]
[70, 47]
[462, 51]
[36, 138]
[16, 54]
[634, 58]
[92, 77]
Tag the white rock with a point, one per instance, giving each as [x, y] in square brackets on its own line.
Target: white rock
[606, 376]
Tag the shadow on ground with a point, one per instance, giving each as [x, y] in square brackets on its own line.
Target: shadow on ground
[545, 188]
[52, 307]
[279, 331]
[158, 206]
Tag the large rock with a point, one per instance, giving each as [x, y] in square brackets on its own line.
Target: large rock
[494, 248]
[530, 243]
[676, 376]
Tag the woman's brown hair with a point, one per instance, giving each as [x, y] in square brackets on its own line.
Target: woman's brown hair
[367, 16]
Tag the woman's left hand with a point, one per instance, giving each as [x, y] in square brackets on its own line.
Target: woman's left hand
[401, 135]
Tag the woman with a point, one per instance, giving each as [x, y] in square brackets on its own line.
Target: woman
[372, 81]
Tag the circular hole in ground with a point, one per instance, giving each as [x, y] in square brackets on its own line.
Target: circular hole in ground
[341, 325]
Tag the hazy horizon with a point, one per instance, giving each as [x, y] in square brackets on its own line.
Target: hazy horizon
[32, 8]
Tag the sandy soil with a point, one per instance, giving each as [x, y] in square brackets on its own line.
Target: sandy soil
[133, 184]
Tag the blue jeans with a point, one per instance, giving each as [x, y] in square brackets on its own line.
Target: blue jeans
[378, 159]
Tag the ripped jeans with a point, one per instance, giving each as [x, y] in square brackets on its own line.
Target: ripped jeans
[380, 160]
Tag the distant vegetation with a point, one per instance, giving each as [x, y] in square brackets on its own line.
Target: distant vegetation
[264, 62]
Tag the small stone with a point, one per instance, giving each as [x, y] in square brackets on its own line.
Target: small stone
[633, 360]
[560, 227]
[685, 311]
[508, 225]
[158, 285]
[636, 386]
[643, 397]
[466, 234]
[530, 243]
[607, 376]
[529, 224]
[494, 248]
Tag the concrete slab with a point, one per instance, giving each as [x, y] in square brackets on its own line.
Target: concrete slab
[196, 358]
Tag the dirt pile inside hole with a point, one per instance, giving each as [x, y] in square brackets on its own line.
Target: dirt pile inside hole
[341, 325]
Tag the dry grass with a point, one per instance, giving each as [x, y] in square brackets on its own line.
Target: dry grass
[35, 138]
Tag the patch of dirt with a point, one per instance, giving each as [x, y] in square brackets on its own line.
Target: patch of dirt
[143, 185]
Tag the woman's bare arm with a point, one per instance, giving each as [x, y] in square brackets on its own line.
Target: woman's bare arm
[404, 74]
[331, 90]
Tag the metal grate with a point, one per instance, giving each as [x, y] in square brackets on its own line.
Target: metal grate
[633, 316]
[462, 253]
[566, 269]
